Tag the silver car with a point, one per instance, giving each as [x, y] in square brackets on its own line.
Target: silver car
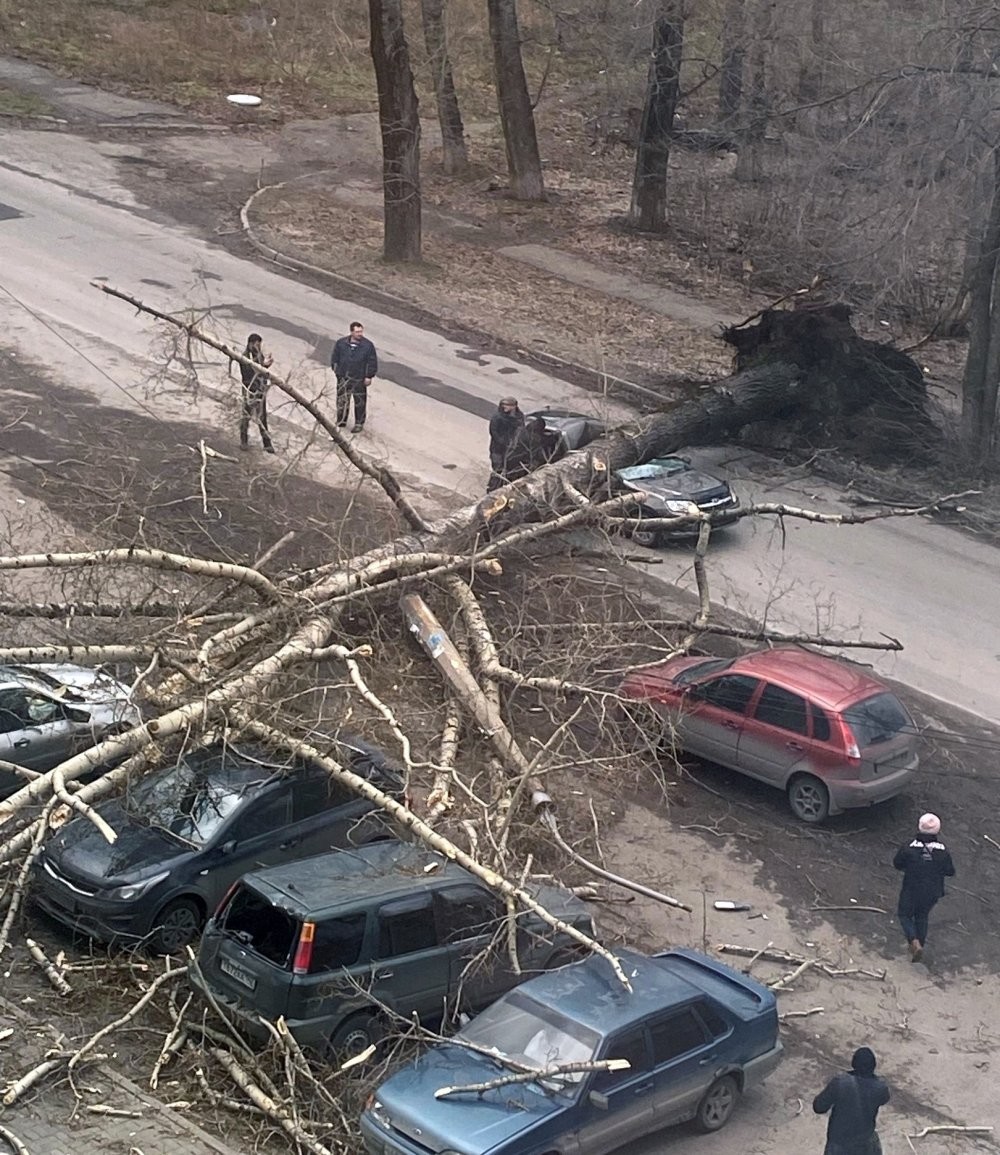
[50, 712]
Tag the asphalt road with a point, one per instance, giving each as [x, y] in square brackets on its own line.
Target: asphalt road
[67, 218]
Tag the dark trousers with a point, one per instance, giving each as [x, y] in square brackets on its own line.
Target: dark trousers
[870, 1146]
[913, 915]
[255, 409]
[346, 389]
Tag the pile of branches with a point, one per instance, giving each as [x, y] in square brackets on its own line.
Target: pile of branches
[235, 641]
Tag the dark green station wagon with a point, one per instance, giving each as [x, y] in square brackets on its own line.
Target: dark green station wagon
[324, 940]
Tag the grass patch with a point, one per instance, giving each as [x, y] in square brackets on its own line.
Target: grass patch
[15, 103]
[305, 57]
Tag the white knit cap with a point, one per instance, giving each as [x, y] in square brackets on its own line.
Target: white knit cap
[929, 824]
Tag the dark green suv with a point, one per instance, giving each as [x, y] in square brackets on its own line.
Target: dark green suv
[324, 940]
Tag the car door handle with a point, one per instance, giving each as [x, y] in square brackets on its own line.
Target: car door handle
[289, 843]
[794, 745]
[731, 725]
[708, 1060]
[384, 974]
[21, 743]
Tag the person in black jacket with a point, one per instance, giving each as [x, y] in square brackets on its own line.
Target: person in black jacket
[355, 363]
[505, 424]
[853, 1100]
[531, 448]
[925, 863]
[255, 386]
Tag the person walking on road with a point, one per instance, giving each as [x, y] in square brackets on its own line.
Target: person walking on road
[925, 863]
[354, 361]
[853, 1100]
[505, 425]
[255, 386]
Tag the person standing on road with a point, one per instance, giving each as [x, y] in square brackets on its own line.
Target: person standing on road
[925, 863]
[255, 386]
[354, 362]
[505, 425]
[853, 1100]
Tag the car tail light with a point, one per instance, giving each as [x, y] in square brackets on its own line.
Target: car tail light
[304, 951]
[849, 742]
[225, 898]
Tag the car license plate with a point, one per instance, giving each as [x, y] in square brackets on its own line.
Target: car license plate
[237, 973]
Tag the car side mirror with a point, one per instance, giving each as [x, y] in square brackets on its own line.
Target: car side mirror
[228, 847]
[80, 717]
[598, 1100]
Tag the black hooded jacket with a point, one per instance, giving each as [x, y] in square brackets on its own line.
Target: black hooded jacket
[504, 428]
[925, 863]
[853, 1101]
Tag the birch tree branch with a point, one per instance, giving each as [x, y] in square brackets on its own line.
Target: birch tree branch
[553, 1072]
[365, 465]
[425, 833]
[147, 559]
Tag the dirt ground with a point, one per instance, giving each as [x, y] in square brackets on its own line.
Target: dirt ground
[933, 1025]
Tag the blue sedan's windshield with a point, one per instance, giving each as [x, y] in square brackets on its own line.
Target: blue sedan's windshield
[532, 1035]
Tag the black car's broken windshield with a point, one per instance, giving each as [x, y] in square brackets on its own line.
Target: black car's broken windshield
[190, 802]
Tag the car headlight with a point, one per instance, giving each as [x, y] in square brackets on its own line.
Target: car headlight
[678, 506]
[134, 889]
[379, 1114]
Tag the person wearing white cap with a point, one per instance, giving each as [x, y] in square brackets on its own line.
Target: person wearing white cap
[925, 863]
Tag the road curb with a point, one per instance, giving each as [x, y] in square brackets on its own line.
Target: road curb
[549, 360]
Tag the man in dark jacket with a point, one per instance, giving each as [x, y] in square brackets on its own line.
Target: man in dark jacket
[355, 363]
[531, 448]
[255, 386]
[505, 424]
[853, 1100]
[925, 863]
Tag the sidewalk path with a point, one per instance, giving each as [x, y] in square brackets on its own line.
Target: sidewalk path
[656, 298]
[43, 1120]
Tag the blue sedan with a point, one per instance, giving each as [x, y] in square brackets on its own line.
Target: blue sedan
[695, 1034]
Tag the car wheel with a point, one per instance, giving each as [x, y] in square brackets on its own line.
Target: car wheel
[809, 799]
[177, 925]
[353, 1036]
[717, 1104]
[650, 538]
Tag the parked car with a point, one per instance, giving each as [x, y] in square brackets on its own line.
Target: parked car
[825, 731]
[318, 941]
[670, 483]
[695, 1034]
[671, 486]
[50, 712]
[188, 831]
[566, 430]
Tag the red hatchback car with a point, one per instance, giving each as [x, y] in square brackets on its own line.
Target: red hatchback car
[824, 731]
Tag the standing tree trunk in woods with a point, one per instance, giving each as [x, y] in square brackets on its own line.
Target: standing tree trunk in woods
[982, 364]
[517, 117]
[399, 122]
[753, 120]
[733, 55]
[648, 209]
[812, 63]
[454, 156]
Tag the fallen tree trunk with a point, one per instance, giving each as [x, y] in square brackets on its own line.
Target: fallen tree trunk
[718, 414]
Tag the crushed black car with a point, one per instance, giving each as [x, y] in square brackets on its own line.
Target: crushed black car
[671, 484]
[186, 832]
